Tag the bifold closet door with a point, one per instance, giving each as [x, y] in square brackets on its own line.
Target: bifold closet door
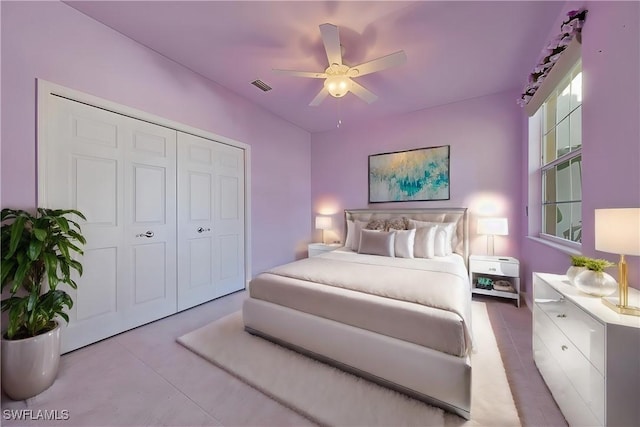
[121, 173]
[210, 220]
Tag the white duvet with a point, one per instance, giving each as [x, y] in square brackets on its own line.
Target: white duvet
[440, 283]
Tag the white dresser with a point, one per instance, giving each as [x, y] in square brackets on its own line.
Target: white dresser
[588, 355]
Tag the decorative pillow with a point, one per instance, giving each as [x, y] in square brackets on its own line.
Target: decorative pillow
[348, 241]
[353, 236]
[397, 224]
[424, 245]
[446, 237]
[375, 242]
[376, 224]
[404, 243]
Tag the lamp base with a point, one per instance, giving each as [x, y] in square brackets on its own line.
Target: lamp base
[612, 303]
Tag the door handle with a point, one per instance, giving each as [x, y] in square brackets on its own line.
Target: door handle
[202, 229]
[148, 234]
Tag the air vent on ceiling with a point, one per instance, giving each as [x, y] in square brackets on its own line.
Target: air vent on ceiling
[261, 85]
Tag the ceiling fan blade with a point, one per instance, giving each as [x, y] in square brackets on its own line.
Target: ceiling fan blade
[319, 98]
[382, 63]
[331, 41]
[363, 93]
[295, 73]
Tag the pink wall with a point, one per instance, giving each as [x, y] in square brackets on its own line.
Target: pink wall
[610, 129]
[52, 41]
[484, 135]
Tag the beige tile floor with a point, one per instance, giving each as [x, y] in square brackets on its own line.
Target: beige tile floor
[143, 377]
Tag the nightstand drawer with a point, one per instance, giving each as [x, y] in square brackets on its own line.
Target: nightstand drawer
[495, 267]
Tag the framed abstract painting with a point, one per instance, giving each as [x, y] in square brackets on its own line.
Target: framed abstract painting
[413, 175]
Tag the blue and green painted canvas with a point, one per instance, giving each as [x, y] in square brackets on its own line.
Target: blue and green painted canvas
[421, 174]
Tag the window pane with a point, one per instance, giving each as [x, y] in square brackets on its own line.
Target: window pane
[549, 151]
[549, 214]
[576, 222]
[564, 104]
[549, 186]
[550, 113]
[563, 220]
[576, 91]
[563, 182]
[576, 178]
[562, 137]
[575, 128]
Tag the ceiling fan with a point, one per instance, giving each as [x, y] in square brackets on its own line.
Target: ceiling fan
[338, 76]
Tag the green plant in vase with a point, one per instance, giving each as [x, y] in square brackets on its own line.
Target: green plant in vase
[578, 265]
[594, 281]
[38, 254]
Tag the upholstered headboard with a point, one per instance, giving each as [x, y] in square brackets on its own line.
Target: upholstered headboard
[457, 215]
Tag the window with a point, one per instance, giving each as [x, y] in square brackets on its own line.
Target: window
[561, 166]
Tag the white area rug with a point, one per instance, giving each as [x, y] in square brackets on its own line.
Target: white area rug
[332, 397]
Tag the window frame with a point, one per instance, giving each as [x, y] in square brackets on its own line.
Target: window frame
[568, 157]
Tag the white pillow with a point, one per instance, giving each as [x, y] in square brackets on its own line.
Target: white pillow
[424, 246]
[446, 237]
[374, 242]
[353, 234]
[404, 242]
[348, 241]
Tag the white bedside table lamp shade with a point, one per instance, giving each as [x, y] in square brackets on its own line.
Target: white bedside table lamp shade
[492, 227]
[323, 223]
[617, 231]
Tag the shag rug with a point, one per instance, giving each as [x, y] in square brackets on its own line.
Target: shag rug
[329, 396]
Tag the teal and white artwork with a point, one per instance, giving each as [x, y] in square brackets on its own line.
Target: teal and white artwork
[421, 174]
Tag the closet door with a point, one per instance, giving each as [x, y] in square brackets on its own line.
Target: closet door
[120, 173]
[210, 220]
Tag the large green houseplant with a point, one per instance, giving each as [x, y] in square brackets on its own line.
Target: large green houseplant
[39, 253]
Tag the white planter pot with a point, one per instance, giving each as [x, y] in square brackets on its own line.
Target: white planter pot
[573, 271]
[30, 365]
[595, 283]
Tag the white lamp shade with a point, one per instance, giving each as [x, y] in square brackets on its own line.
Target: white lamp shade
[493, 226]
[618, 231]
[323, 222]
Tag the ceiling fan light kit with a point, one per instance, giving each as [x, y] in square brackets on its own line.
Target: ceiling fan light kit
[338, 86]
[338, 77]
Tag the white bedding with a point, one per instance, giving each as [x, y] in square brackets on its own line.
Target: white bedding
[424, 301]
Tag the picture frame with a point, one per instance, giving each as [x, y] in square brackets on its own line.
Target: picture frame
[421, 174]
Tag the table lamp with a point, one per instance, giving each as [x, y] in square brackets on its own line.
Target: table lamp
[492, 227]
[618, 231]
[323, 223]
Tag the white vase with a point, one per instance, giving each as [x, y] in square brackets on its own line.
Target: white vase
[30, 365]
[597, 283]
[573, 271]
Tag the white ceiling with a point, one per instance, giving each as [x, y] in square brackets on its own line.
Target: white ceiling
[456, 49]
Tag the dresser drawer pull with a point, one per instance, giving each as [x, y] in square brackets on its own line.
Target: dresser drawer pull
[564, 348]
[548, 300]
[562, 316]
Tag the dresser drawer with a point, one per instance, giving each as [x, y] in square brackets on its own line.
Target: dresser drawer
[586, 380]
[585, 332]
[570, 402]
[495, 267]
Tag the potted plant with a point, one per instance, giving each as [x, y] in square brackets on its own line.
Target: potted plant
[594, 281]
[37, 256]
[578, 265]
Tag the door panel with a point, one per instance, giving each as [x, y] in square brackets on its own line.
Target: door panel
[120, 172]
[210, 206]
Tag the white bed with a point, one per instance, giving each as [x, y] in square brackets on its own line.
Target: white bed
[401, 322]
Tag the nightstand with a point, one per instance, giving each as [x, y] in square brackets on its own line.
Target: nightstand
[496, 276]
[320, 248]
